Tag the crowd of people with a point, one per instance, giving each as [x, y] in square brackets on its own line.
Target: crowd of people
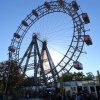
[74, 96]
[53, 95]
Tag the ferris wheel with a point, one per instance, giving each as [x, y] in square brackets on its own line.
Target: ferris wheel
[49, 40]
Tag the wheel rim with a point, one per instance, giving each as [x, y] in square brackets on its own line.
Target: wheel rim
[76, 45]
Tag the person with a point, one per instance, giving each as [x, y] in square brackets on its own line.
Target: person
[78, 97]
[93, 96]
[82, 97]
[73, 96]
[65, 95]
[27, 96]
[59, 97]
[1, 97]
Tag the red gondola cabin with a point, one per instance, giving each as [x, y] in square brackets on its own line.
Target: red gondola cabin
[77, 65]
[88, 40]
[16, 35]
[47, 5]
[75, 5]
[85, 18]
[34, 12]
[10, 48]
[61, 2]
[25, 23]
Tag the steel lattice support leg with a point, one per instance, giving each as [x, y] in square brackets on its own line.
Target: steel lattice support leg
[52, 66]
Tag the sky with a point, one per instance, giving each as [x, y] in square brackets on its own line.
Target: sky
[12, 12]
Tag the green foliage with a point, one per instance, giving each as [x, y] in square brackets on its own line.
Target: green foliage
[89, 76]
[76, 77]
[67, 77]
[11, 76]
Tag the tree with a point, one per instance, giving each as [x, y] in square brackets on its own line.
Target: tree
[78, 76]
[11, 76]
[89, 76]
[66, 77]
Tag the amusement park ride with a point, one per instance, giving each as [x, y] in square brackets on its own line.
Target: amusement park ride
[37, 54]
